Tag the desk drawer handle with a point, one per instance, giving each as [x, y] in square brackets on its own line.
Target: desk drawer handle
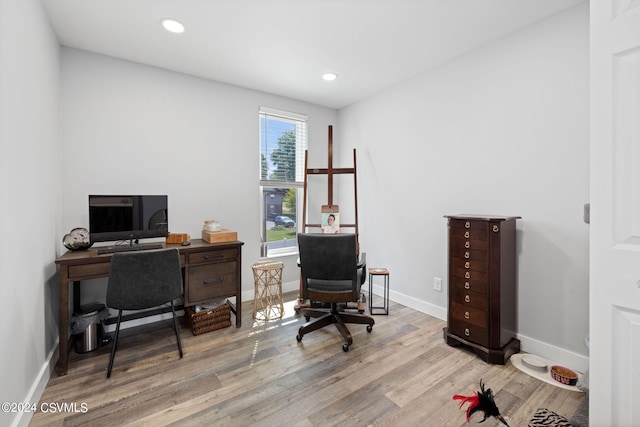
[466, 255]
[467, 285]
[467, 275]
[467, 332]
[467, 244]
[467, 315]
[213, 282]
[467, 298]
[466, 234]
[217, 256]
[467, 224]
[467, 264]
[496, 228]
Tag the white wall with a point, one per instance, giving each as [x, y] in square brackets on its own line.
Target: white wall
[30, 201]
[502, 130]
[133, 129]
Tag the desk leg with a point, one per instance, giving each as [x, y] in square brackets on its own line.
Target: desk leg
[239, 289]
[63, 345]
[76, 297]
[238, 307]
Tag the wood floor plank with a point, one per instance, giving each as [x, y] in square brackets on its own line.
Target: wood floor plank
[402, 373]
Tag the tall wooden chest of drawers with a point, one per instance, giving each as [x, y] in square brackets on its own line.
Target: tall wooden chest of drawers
[482, 286]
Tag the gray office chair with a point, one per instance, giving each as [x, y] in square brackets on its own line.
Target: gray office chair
[331, 274]
[142, 280]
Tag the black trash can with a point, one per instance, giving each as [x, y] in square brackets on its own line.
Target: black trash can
[86, 326]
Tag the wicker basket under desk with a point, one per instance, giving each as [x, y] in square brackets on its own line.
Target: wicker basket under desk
[208, 320]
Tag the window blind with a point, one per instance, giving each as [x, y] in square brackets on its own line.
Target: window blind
[283, 140]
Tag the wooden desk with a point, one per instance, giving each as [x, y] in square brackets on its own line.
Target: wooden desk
[211, 271]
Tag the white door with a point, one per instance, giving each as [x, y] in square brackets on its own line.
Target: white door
[614, 324]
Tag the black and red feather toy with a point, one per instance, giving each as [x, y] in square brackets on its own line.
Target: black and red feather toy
[481, 401]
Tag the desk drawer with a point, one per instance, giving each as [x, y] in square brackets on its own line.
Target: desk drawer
[210, 281]
[86, 271]
[213, 256]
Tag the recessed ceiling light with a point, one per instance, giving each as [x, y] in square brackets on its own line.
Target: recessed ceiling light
[172, 25]
[330, 76]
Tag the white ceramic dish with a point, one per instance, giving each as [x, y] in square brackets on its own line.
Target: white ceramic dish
[534, 362]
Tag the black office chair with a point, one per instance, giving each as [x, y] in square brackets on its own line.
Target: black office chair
[331, 274]
[142, 280]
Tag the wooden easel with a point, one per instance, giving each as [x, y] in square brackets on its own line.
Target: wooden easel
[329, 171]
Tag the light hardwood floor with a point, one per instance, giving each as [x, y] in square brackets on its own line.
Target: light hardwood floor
[400, 374]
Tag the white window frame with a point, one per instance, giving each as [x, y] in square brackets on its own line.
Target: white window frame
[300, 121]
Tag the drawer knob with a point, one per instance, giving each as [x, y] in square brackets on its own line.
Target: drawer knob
[467, 275]
[467, 244]
[496, 228]
[466, 234]
[467, 298]
[467, 264]
[467, 332]
[467, 224]
[467, 285]
[466, 254]
[467, 315]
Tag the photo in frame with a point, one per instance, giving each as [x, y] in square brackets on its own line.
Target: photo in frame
[330, 219]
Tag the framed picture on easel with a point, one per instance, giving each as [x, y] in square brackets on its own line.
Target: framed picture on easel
[330, 219]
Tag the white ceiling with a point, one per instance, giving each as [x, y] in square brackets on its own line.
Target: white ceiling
[284, 46]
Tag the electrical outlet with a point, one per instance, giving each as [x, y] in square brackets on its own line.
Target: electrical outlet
[437, 284]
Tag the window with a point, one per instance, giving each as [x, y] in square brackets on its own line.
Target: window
[283, 141]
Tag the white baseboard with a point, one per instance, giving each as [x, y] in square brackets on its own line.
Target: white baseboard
[554, 354]
[38, 387]
[414, 303]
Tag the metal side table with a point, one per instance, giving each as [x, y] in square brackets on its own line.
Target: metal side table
[375, 272]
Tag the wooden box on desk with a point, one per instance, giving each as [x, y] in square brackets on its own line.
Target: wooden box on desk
[177, 237]
[221, 236]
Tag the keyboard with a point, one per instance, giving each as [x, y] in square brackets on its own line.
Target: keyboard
[129, 248]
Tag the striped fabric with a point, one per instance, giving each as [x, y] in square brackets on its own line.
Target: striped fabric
[547, 418]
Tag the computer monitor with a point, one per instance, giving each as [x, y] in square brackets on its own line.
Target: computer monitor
[115, 217]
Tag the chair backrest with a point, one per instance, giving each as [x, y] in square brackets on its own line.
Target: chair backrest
[326, 258]
[144, 279]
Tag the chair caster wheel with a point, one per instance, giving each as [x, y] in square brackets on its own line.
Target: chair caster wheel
[369, 328]
[298, 338]
[345, 347]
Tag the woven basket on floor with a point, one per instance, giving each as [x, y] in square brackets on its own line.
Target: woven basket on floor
[208, 320]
